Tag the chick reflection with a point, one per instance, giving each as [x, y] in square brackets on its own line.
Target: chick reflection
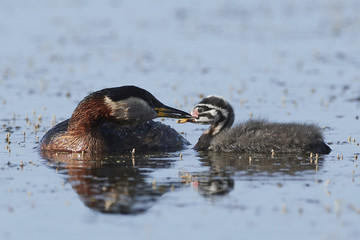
[259, 165]
[117, 184]
[225, 167]
[215, 184]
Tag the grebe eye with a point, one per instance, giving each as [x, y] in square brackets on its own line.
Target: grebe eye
[150, 102]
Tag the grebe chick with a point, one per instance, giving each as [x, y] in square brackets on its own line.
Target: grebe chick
[252, 136]
[116, 120]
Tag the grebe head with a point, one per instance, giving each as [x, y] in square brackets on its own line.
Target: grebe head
[130, 104]
[213, 110]
[125, 105]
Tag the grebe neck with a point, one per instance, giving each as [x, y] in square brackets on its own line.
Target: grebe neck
[215, 128]
[206, 138]
[89, 115]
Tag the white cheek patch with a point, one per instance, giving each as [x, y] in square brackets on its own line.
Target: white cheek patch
[130, 109]
[213, 112]
[224, 112]
[205, 119]
[118, 109]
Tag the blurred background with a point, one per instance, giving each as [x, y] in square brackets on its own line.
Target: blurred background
[55, 53]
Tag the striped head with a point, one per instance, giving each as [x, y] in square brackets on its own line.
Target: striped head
[213, 110]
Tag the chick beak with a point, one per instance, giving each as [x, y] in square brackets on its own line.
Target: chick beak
[169, 112]
[194, 115]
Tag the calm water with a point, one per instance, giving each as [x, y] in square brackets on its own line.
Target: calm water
[284, 60]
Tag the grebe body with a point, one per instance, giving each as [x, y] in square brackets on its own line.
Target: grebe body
[252, 136]
[116, 120]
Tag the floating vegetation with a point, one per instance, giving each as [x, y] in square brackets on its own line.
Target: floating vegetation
[53, 121]
[7, 138]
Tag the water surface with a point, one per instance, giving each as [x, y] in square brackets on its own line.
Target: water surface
[285, 60]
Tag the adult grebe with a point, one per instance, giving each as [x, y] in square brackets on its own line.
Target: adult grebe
[252, 136]
[116, 120]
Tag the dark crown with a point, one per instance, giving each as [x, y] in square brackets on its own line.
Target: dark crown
[125, 92]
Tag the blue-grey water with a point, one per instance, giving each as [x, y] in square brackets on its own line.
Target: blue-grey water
[284, 60]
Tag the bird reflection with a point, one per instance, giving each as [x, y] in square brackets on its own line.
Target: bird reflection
[260, 165]
[122, 183]
[225, 168]
[118, 184]
[214, 184]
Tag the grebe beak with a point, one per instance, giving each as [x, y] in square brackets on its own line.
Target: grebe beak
[169, 112]
[194, 115]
